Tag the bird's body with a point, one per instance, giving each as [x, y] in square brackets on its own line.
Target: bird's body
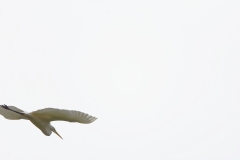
[42, 118]
[40, 123]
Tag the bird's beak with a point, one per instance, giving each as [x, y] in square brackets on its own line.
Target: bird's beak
[57, 134]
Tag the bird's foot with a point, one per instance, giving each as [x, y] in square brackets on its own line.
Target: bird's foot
[4, 106]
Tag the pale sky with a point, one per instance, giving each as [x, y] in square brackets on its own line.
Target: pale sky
[162, 77]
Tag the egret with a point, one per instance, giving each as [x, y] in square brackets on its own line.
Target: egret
[42, 118]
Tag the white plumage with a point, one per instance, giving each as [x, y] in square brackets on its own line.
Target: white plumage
[10, 114]
[42, 118]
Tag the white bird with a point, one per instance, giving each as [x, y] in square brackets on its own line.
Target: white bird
[42, 118]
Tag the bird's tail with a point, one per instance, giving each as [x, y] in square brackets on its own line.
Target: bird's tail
[11, 112]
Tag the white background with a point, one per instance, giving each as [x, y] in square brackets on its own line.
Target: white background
[161, 76]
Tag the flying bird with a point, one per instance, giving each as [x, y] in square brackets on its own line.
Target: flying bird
[42, 118]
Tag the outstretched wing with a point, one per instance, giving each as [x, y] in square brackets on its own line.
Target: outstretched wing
[10, 114]
[52, 114]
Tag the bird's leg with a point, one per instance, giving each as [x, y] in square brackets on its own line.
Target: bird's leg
[7, 108]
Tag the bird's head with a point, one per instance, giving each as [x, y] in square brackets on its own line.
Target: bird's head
[54, 130]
